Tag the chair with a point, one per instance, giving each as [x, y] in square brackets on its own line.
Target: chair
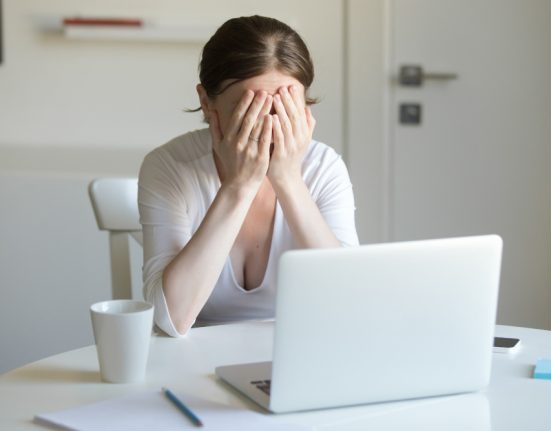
[115, 204]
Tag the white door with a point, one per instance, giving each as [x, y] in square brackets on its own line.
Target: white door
[480, 159]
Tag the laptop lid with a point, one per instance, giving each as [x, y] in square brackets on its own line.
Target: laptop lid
[384, 322]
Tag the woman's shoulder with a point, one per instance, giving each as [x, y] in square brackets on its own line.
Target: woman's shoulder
[320, 155]
[324, 171]
[185, 148]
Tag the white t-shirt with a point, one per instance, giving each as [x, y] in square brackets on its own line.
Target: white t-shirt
[178, 182]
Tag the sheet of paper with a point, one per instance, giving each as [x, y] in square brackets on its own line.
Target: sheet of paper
[152, 410]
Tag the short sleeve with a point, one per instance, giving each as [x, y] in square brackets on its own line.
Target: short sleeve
[331, 189]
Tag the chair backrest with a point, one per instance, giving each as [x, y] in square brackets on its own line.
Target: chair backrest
[115, 205]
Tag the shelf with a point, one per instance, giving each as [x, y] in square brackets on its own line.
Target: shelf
[145, 33]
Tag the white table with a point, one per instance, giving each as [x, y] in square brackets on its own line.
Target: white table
[513, 401]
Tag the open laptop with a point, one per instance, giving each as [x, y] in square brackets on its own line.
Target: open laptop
[378, 323]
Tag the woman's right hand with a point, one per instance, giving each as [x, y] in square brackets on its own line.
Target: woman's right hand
[244, 149]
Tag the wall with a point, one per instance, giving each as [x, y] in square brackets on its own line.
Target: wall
[52, 265]
[73, 110]
[107, 94]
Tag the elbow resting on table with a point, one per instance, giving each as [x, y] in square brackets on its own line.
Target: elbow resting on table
[183, 326]
[180, 321]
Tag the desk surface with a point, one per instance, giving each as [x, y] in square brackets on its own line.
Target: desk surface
[513, 400]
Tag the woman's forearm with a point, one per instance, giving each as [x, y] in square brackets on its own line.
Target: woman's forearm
[189, 278]
[307, 225]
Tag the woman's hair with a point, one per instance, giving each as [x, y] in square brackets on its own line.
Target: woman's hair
[250, 46]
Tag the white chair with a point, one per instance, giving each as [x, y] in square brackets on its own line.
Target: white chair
[115, 204]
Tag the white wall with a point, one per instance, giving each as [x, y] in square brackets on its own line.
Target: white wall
[74, 110]
[89, 94]
[52, 265]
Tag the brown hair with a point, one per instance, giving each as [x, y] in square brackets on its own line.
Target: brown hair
[250, 46]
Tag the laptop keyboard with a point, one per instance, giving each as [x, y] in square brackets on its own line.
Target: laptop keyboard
[263, 385]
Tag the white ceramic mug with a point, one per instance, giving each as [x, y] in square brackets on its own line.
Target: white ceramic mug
[122, 330]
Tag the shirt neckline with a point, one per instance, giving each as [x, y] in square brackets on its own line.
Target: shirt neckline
[264, 281]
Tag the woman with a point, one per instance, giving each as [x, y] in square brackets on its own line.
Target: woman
[219, 206]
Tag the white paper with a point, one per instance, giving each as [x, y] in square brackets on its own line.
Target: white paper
[152, 410]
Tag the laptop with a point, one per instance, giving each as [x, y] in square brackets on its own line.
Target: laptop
[378, 323]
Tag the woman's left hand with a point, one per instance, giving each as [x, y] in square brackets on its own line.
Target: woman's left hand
[293, 125]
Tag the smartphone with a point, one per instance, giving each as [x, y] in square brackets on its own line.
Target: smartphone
[506, 345]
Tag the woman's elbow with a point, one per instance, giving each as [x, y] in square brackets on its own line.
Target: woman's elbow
[172, 328]
[165, 319]
[183, 326]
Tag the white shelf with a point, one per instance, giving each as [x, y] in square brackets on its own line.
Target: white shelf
[145, 33]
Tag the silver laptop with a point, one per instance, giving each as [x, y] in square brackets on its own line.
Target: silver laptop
[378, 323]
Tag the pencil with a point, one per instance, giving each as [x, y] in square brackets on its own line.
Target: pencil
[182, 407]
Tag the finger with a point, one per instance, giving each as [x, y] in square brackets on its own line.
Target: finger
[251, 116]
[267, 105]
[214, 127]
[310, 119]
[238, 114]
[278, 134]
[297, 96]
[292, 111]
[255, 133]
[283, 119]
[266, 137]
[258, 127]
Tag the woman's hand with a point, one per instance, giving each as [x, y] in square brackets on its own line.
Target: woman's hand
[293, 125]
[244, 149]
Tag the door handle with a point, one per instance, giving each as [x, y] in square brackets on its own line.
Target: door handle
[414, 75]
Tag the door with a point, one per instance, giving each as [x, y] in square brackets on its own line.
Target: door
[479, 161]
